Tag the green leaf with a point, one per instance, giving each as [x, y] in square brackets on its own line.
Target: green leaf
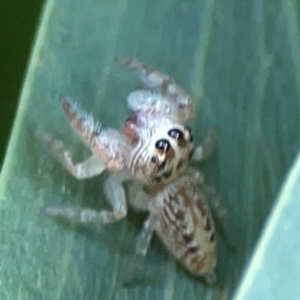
[274, 269]
[240, 62]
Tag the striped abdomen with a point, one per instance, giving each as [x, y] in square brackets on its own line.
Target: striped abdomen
[186, 227]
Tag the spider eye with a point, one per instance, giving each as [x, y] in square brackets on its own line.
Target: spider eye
[189, 130]
[154, 159]
[163, 145]
[175, 134]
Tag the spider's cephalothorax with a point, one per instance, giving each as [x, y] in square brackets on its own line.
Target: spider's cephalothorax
[161, 153]
[153, 151]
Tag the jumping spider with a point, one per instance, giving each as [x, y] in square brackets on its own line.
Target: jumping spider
[153, 149]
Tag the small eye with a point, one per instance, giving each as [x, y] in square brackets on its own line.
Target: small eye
[154, 159]
[175, 134]
[189, 130]
[163, 145]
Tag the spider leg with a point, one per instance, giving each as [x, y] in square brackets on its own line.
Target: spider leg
[87, 169]
[116, 197]
[144, 238]
[110, 145]
[206, 148]
[158, 80]
[148, 100]
[138, 198]
[141, 247]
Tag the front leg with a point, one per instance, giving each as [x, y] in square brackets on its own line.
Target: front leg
[205, 149]
[116, 197]
[110, 146]
[87, 169]
[153, 78]
[143, 100]
[141, 247]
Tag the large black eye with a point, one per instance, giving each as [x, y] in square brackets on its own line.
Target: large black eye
[175, 134]
[163, 145]
[154, 159]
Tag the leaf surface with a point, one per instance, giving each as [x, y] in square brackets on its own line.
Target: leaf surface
[240, 62]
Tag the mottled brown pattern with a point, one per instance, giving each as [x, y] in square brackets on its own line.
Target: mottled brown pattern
[193, 255]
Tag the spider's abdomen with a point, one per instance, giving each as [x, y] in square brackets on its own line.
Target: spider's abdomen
[186, 227]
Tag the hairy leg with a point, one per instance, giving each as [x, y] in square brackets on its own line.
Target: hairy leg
[87, 169]
[116, 197]
[141, 247]
[110, 146]
[148, 100]
[155, 79]
[205, 149]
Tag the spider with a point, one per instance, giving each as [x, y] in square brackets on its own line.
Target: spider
[153, 150]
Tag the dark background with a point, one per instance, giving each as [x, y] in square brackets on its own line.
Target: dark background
[18, 25]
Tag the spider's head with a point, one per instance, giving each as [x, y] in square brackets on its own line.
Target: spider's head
[163, 154]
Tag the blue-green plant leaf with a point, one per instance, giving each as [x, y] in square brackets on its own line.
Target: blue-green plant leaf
[240, 62]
